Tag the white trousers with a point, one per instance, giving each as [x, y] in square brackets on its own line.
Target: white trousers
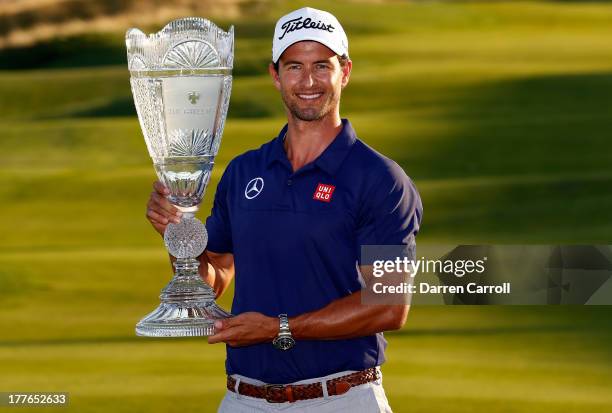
[366, 398]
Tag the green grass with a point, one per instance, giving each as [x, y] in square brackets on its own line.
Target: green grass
[500, 112]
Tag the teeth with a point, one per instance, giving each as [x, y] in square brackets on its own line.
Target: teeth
[310, 96]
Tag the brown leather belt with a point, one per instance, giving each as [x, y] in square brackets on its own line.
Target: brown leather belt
[281, 393]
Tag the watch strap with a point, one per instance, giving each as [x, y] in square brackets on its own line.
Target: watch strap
[283, 324]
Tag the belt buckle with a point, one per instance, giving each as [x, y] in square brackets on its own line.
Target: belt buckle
[274, 389]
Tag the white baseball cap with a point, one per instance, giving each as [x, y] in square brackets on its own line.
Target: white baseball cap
[308, 24]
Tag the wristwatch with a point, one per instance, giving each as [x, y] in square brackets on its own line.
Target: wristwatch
[284, 340]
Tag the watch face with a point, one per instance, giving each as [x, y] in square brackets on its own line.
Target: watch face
[284, 343]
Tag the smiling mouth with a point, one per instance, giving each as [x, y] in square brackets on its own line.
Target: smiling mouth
[309, 96]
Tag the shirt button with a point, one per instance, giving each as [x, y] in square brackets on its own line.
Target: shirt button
[289, 182]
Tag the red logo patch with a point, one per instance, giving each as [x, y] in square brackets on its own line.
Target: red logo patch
[324, 192]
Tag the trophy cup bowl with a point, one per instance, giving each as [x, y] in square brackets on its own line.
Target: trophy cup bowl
[181, 82]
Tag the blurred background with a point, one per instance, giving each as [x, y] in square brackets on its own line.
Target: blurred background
[501, 112]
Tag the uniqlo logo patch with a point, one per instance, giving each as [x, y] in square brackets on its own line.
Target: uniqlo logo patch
[324, 192]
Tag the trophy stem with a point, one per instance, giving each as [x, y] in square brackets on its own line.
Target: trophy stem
[188, 305]
[187, 284]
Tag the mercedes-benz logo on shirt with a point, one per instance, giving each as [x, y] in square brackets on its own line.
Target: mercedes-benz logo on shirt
[254, 188]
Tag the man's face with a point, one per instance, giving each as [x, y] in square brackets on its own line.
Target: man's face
[310, 80]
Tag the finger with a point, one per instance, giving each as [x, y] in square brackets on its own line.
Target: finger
[161, 229]
[166, 207]
[156, 217]
[226, 323]
[163, 202]
[155, 205]
[161, 212]
[160, 188]
[219, 337]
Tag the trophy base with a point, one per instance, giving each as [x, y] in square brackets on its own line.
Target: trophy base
[188, 307]
[181, 320]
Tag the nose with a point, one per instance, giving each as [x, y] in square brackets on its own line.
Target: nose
[307, 80]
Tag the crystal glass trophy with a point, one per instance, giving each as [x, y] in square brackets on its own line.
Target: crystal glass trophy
[181, 82]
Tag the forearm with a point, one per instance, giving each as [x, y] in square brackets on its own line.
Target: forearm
[347, 317]
[341, 319]
[217, 270]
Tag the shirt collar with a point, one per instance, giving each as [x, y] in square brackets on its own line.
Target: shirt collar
[331, 158]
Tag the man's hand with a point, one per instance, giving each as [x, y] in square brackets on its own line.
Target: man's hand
[245, 329]
[160, 212]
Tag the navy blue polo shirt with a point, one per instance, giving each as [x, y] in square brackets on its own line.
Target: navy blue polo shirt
[296, 240]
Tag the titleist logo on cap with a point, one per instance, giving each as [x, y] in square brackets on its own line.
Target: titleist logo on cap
[312, 25]
[297, 24]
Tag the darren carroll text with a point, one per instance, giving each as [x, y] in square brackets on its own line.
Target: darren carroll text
[425, 288]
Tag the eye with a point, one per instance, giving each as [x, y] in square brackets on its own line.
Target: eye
[322, 66]
[294, 67]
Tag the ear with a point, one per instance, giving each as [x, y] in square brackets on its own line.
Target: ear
[346, 72]
[274, 75]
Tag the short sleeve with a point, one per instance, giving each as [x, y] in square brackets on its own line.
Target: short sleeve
[218, 223]
[391, 212]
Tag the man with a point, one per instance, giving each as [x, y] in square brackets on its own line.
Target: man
[289, 219]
